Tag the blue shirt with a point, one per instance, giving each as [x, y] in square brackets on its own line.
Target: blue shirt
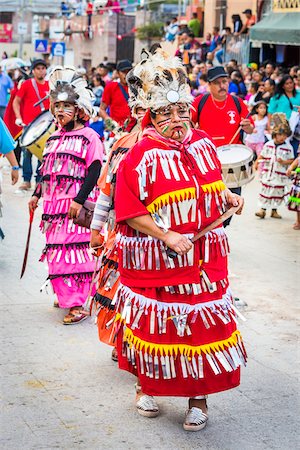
[7, 144]
[282, 104]
[6, 83]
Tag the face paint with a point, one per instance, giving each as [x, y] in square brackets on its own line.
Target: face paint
[165, 129]
[185, 125]
[64, 112]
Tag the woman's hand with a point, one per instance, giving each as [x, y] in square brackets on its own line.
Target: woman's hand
[234, 200]
[96, 239]
[74, 210]
[176, 241]
[33, 203]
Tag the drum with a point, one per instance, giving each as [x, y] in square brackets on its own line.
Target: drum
[35, 135]
[237, 164]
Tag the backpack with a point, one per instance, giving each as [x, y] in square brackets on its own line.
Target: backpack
[205, 98]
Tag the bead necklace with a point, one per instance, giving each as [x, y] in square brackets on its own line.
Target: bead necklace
[218, 107]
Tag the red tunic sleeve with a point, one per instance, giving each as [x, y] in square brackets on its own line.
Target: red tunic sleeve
[127, 202]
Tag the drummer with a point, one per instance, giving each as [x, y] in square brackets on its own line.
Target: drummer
[221, 114]
[31, 92]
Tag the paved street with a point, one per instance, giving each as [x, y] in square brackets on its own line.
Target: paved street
[60, 389]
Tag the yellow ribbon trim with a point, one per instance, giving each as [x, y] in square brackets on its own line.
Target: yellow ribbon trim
[171, 349]
[179, 195]
[216, 186]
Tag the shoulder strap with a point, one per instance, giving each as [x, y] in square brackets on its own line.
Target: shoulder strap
[201, 104]
[126, 96]
[237, 103]
[35, 87]
[289, 100]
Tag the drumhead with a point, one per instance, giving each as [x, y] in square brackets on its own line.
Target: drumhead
[37, 128]
[234, 154]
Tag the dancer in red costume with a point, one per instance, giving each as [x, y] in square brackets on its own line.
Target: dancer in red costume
[176, 322]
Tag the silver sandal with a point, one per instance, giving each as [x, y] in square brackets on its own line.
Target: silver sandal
[195, 419]
[146, 404]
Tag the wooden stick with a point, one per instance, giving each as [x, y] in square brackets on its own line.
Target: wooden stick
[235, 135]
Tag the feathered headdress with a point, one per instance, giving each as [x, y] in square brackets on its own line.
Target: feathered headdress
[157, 81]
[280, 125]
[67, 85]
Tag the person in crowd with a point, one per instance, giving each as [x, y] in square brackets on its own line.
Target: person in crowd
[257, 76]
[115, 97]
[7, 145]
[294, 197]
[236, 85]
[103, 71]
[216, 40]
[286, 98]
[6, 85]
[173, 185]
[257, 139]
[297, 81]
[220, 49]
[98, 88]
[70, 170]
[202, 86]
[249, 22]
[4, 55]
[265, 91]
[276, 155]
[251, 94]
[195, 25]
[31, 91]
[268, 71]
[237, 23]
[172, 30]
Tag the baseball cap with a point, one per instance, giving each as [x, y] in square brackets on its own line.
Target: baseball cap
[38, 62]
[124, 65]
[247, 11]
[216, 72]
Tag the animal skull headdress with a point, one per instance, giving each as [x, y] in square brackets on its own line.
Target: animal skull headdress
[67, 85]
[158, 81]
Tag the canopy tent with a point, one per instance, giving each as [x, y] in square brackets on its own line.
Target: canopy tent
[277, 28]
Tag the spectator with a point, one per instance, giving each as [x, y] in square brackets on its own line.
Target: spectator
[220, 51]
[6, 84]
[64, 9]
[250, 98]
[266, 91]
[216, 40]
[250, 21]
[269, 70]
[237, 86]
[237, 23]
[195, 25]
[257, 76]
[205, 46]
[172, 30]
[103, 71]
[286, 98]
[115, 96]
[4, 55]
[98, 87]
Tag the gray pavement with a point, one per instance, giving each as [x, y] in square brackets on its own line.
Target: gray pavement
[60, 389]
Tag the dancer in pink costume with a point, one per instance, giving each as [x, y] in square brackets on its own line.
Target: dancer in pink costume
[71, 166]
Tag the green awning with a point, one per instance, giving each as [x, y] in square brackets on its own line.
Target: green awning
[277, 28]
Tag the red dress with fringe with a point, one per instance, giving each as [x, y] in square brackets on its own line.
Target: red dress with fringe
[176, 322]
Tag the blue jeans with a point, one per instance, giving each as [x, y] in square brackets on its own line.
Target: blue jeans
[219, 55]
[27, 167]
[237, 190]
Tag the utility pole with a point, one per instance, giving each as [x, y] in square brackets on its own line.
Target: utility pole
[21, 36]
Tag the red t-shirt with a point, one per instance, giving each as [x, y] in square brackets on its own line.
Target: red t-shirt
[29, 97]
[114, 98]
[220, 124]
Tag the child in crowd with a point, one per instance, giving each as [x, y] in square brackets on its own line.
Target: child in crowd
[257, 139]
[276, 155]
[294, 198]
[252, 91]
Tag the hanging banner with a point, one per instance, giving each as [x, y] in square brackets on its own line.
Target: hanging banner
[6, 30]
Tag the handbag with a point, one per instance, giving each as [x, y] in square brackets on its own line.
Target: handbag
[85, 215]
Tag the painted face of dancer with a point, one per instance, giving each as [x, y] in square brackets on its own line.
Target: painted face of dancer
[64, 112]
[173, 121]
